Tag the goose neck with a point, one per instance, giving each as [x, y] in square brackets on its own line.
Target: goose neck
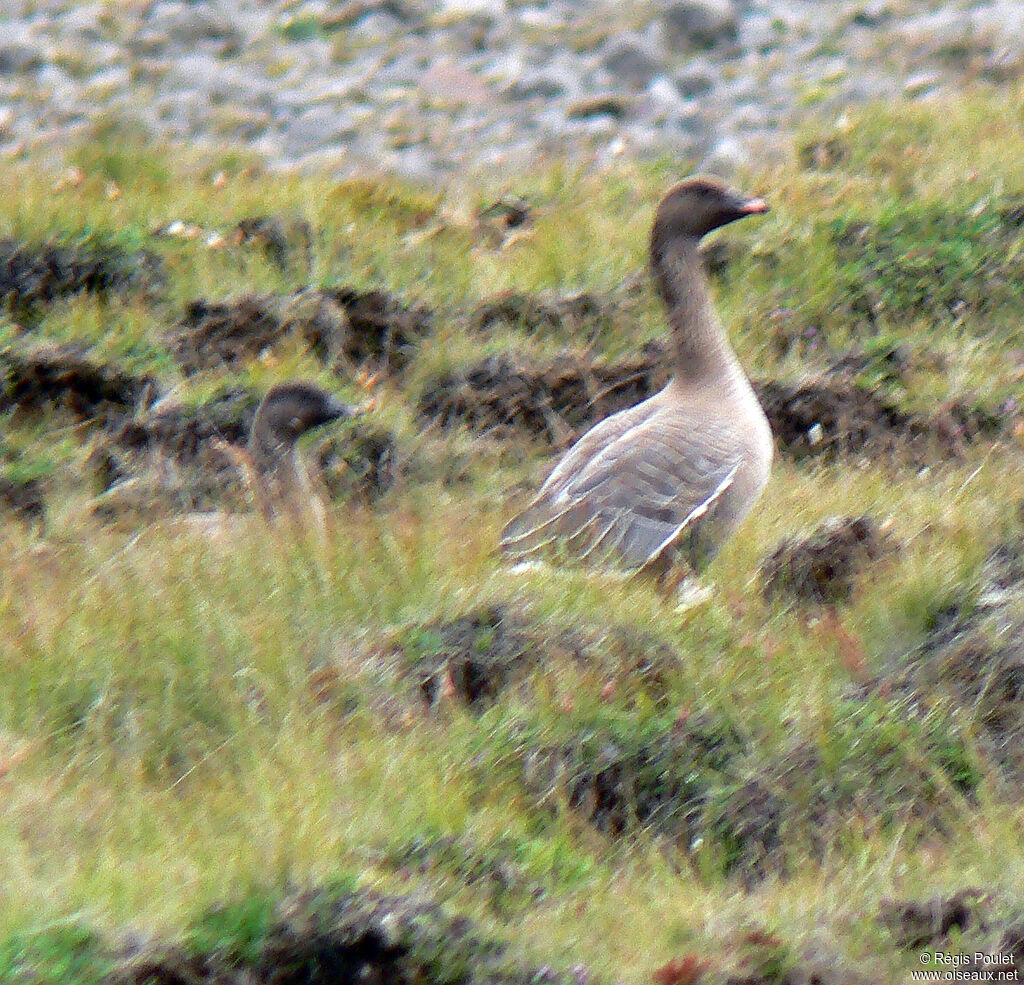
[701, 351]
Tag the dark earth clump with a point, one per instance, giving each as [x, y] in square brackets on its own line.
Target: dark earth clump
[382, 330]
[824, 566]
[475, 657]
[230, 334]
[34, 275]
[52, 377]
[181, 431]
[283, 240]
[341, 326]
[1009, 945]
[362, 463]
[972, 922]
[872, 772]
[972, 664]
[508, 397]
[715, 795]
[489, 867]
[663, 780]
[578, 316]
[174, 457]
[332, 937]
[717, 254]
[918, 923]
[24, 498]
[619, 784]
[831, 416]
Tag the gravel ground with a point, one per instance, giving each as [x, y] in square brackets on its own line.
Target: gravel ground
[428, 90]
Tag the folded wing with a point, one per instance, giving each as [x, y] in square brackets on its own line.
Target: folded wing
[629, 499]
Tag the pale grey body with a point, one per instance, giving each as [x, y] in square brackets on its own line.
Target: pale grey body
[677, 473]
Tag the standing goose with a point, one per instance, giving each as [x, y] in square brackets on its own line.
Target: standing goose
[677, 473]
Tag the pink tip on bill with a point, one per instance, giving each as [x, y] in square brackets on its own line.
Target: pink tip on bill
[753, 206]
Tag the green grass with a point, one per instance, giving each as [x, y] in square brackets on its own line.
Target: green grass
[170, 760]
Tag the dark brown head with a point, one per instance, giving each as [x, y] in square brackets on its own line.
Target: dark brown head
[696, 206]
[286, 413]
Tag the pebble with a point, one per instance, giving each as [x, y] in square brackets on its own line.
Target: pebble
[631, 63]
[481, 86]
[700, 24]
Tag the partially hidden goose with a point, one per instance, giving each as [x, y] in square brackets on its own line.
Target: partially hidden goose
[287, 412]
[269, 465]
[674, 475]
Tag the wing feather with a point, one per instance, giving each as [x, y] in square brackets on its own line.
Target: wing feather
[628, 495]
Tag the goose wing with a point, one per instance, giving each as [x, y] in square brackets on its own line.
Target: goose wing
[632, 497]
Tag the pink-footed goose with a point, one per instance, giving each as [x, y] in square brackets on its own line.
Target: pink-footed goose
[269, 465]
[677, 473]
[287, 412]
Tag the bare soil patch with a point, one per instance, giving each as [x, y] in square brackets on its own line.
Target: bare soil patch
[477, 656]
[825, 565]
[24, 498]
[578, 316]
[919, 923]
[343, 327]
[708, 790]
[831, 416]
[972, 664]
[382, 329]
[35, 275]
[364, 463]
[834, 417]
[508, 398]
[230, 334]
[49, 378]
[1009, 943]
[172, 455]
[325, 937]
[969, 922]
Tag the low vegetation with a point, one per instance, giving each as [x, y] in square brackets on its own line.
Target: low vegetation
[350, 744]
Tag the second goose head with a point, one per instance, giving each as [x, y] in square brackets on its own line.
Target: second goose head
[285, 414]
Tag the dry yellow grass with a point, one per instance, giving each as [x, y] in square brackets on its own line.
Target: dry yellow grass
[165, 742]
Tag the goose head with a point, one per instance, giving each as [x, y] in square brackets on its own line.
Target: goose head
[696, 206]
[286, 413]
